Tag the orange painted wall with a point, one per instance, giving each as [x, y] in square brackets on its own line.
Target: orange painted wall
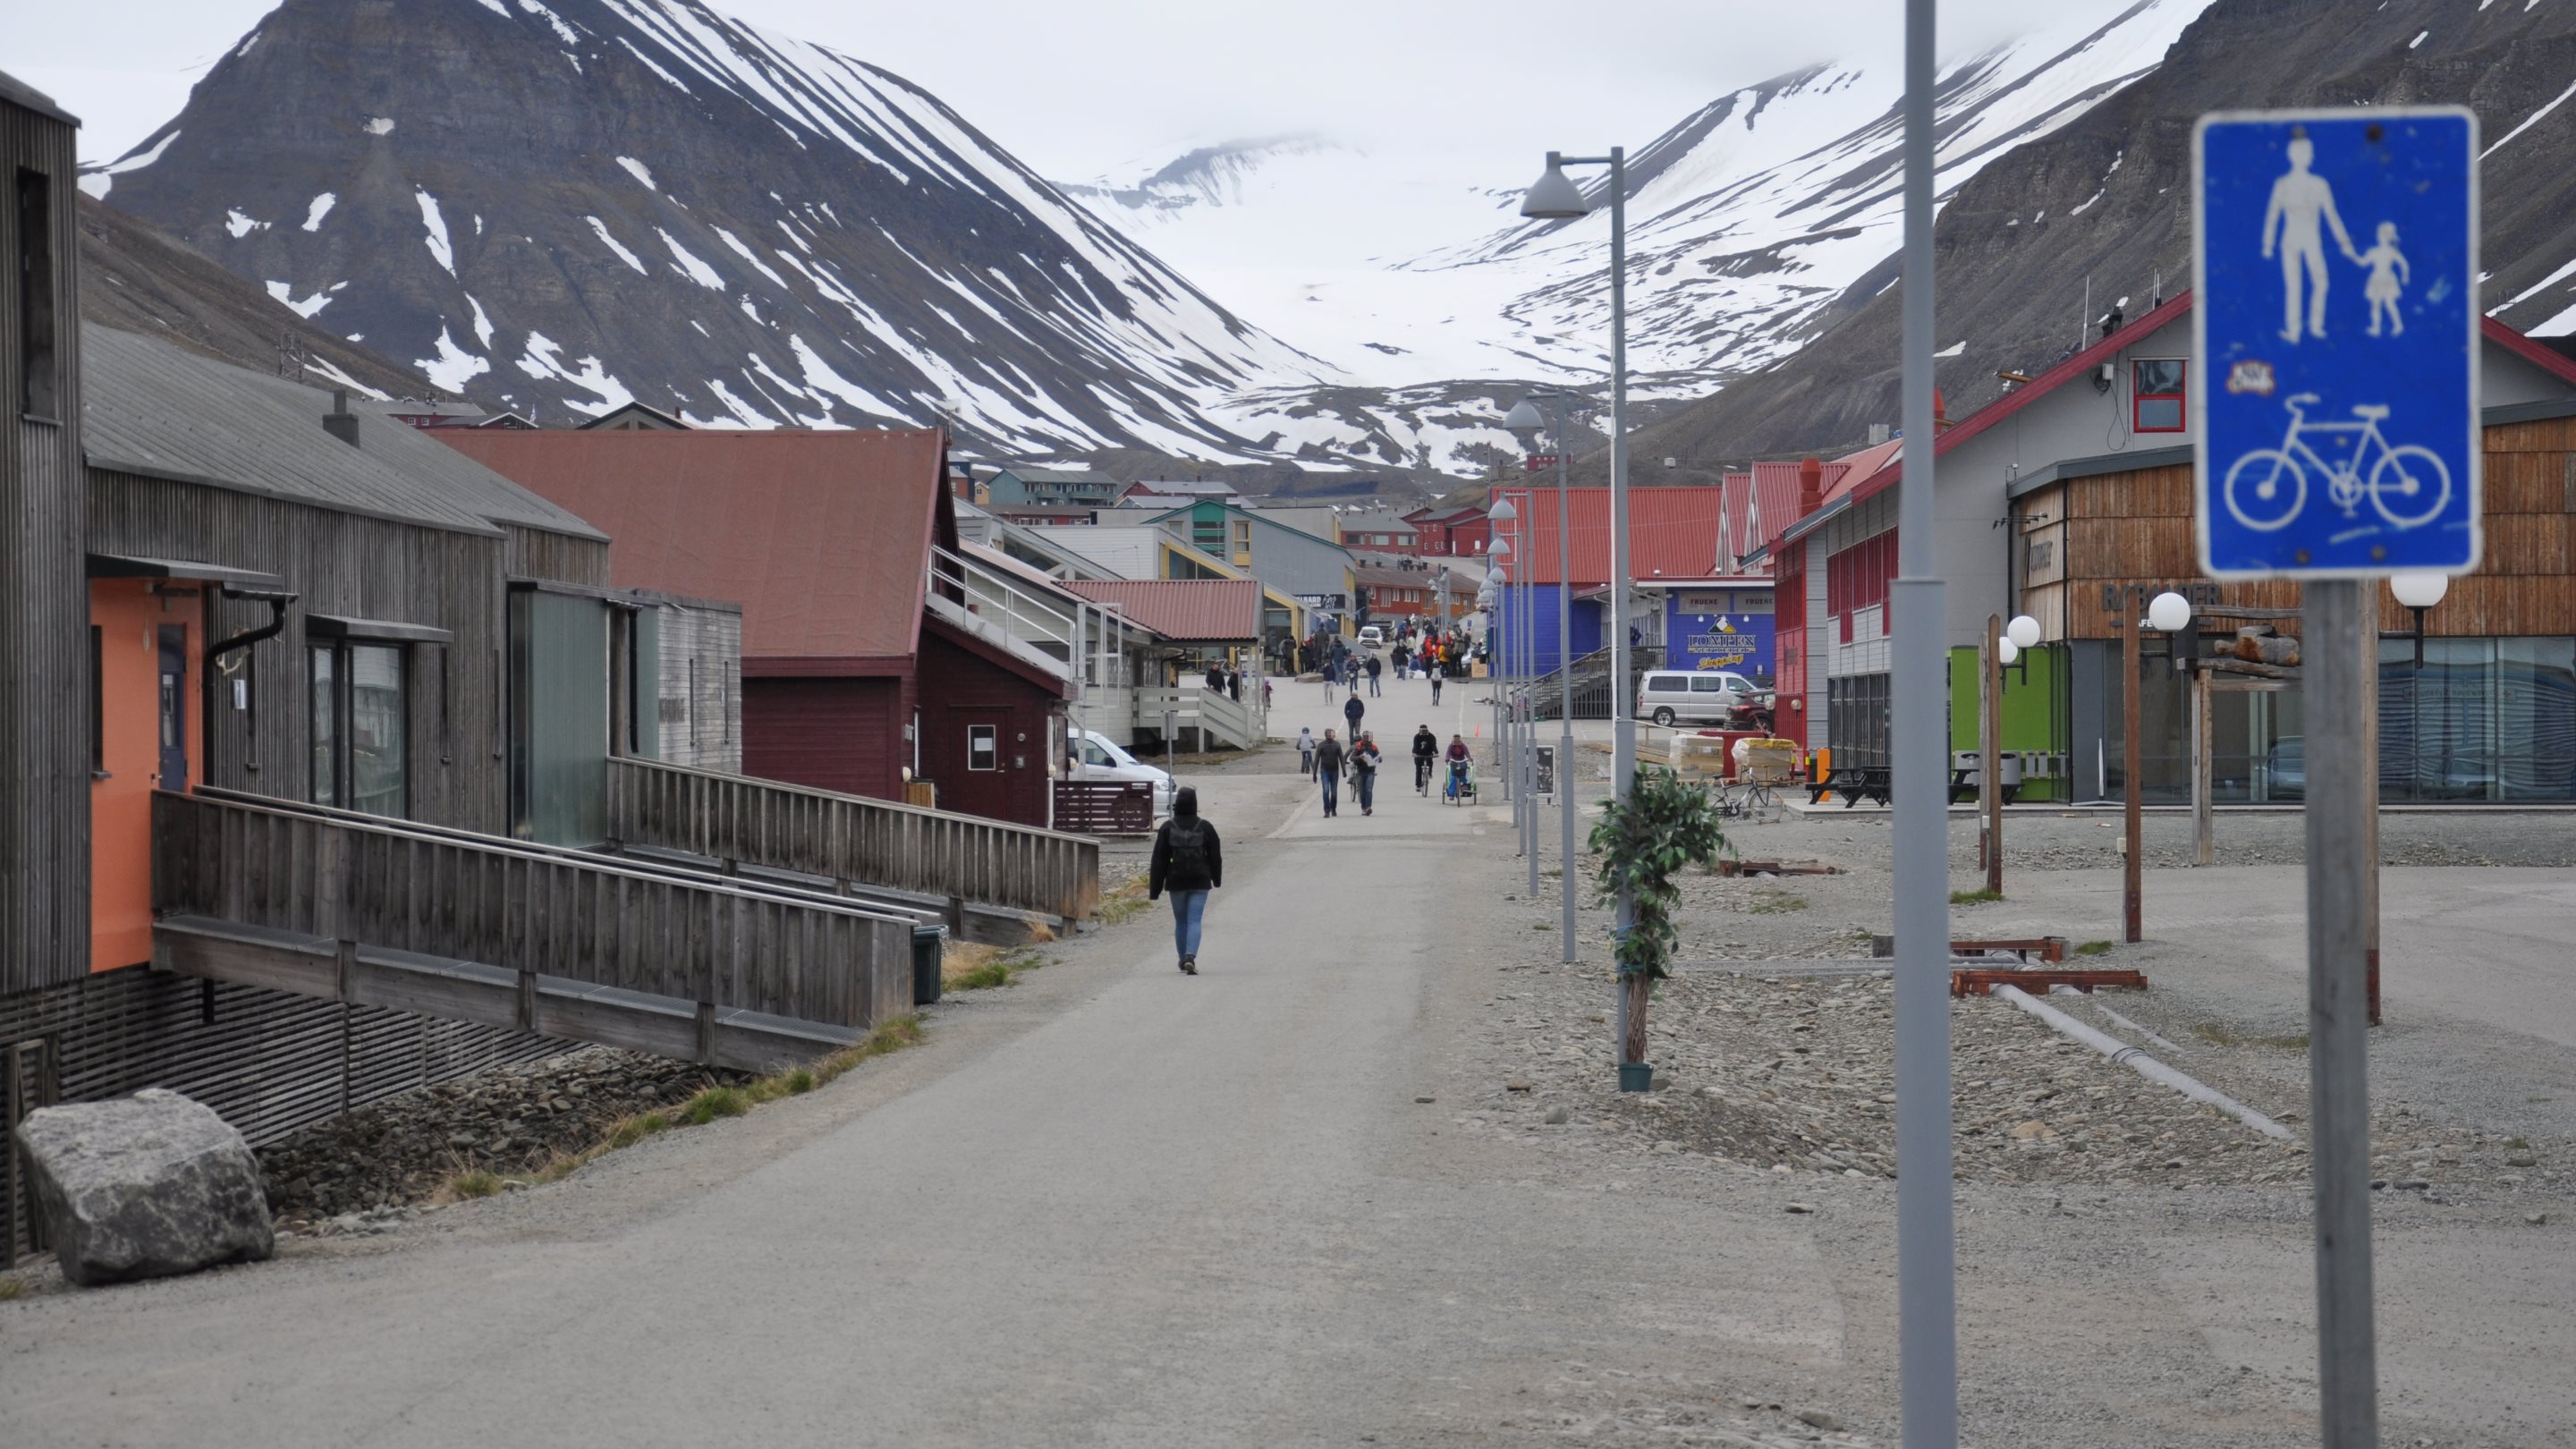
[129, 617]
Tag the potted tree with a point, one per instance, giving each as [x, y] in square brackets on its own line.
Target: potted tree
[1663, 825]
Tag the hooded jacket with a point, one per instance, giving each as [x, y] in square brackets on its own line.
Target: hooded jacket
[1161, 872]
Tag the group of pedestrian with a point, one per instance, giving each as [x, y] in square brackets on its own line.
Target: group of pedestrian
[1330, 761]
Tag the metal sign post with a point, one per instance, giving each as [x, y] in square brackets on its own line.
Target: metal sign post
[2336, 419]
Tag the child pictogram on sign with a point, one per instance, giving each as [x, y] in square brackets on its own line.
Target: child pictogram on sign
[2388, 279]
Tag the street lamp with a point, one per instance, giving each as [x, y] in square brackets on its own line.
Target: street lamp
[1554, 197]
[2023, 631]
[1498, 653]
[2168, 613]
[2419, 591]
[1525, 421]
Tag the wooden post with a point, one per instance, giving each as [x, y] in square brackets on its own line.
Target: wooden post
[2204, 835]
[2132, 755]
[1990, 767]
[2370, 799]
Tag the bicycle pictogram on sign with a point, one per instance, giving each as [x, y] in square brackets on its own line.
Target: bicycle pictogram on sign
[2408, 485]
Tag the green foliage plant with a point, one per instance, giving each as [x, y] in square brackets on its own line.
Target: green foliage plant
[1665, 824]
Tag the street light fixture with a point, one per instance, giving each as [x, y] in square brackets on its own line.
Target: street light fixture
[2419, 591]
[2024, 633]
[1498, 659]
[2168, 613]
[1554, 197]
[1526, 420]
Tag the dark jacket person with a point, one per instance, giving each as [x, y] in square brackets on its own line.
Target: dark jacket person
[1189, 862]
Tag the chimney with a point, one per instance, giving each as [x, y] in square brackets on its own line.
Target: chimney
[340, 422]
[1878, 433]
[1811, 486]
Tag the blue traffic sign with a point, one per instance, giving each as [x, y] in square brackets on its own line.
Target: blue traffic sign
[2335, 410]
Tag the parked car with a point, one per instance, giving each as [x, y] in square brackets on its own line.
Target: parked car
[1097, 757]
[1702, 696]
[2285, 769]
[1372, 638]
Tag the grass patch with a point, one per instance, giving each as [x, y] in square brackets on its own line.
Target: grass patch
[2094, 948]
[1773, 903]
[2517, 1144]
[11, 1288]
[1124, 904]
[2219, 1033]
[973, 966]
[715, 1102]
[1975, 897]
[472, 1183]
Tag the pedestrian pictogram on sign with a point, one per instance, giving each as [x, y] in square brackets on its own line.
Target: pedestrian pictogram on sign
[2336, 310]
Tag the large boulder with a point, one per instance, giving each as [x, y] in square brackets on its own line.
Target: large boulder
[144, 1187]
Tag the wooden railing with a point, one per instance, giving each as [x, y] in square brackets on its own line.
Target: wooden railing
[1238, 722]
[1105, 807]
[382, 886]
[852, 838]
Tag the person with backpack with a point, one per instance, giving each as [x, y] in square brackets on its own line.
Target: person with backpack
[1365, 758]
[1426, 746]
[1189, 862]
[1305, 752]
[1328, 768]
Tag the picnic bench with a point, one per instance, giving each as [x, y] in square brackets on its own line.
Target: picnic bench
[1852, 783]
[1963, 786]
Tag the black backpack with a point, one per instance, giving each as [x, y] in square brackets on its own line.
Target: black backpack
[1189, 850]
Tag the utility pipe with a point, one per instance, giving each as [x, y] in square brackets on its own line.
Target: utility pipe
[2146, 1066]
[2122, 1022]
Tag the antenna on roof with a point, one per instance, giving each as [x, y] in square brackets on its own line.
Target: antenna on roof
[2084, 317]
[2156, 298]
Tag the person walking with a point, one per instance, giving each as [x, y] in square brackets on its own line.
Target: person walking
[1305, 752]
[1189, 863]
[1365, 758]
[1426, 747]
[1375, 666]
[1328, 768]
[1234, 685]
[1435, 686]
[1352, 711]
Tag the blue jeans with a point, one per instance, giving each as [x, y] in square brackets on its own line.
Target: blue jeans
[1364, 789]
[1189, 908]
[1332, 791]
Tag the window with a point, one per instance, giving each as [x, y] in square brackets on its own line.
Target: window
[1092, 754]
[1708, 684]
[36, 383]
[2156, 393]
[1668, 684]
[361, 727]
[983, 747]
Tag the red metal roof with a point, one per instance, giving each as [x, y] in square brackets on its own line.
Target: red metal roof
[1672, 533]
[1193, 611]
[823, 537]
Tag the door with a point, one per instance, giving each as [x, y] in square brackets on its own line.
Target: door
[174, 708]
[987, 757]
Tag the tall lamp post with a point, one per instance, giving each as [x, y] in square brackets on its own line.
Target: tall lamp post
[2168, 613]
[2417, 592]
[2010, 642]
[1498, 660]
[1525, 421]
[1554, 197]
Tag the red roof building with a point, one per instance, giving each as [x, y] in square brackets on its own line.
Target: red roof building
[1185, 611]
[1672, 534]
[852, 681]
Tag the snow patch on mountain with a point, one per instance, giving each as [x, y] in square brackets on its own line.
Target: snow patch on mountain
[434, 223]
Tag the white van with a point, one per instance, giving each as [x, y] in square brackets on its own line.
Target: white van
[1685, 696]
[1372, 637]
[1095, 757]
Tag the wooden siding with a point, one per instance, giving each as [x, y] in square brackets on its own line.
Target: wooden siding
[44, 599]
[845, 837]
[552, 913]
[701, 707]
[2131, 533]
[556, 557]
[844, 735]
[344, 564]
[960, 687]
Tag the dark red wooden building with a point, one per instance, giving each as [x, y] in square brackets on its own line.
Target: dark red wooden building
[855, 678]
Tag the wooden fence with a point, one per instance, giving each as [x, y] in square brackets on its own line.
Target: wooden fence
[852, 838]
[1105, 807]
[484, 900]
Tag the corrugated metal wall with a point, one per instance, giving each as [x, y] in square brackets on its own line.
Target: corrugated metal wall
[44, 603]
[269, 1063]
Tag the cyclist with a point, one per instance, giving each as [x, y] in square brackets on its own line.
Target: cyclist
[1426, 746]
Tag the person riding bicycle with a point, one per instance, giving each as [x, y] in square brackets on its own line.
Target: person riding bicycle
[1426, 746]
[1461, 759]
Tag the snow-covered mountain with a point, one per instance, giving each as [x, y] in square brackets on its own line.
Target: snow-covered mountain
[559, 205]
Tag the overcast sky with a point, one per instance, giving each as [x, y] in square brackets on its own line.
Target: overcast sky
[1079, 89]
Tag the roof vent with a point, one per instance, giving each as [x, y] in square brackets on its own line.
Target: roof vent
[340, 422]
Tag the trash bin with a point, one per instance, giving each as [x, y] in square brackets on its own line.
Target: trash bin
[926, 941]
